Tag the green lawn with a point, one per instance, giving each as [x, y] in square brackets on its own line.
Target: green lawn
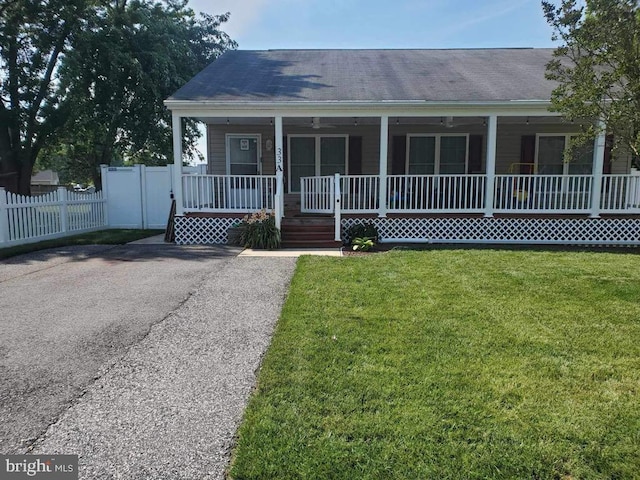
[451, 364]
[113, 236]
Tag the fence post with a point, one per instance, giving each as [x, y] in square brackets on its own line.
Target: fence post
[104, 169]
[4, 216]
[337, 214]
[64, 210]
[143, 195]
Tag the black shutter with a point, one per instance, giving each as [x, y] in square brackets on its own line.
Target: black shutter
[355, 155]
[475, 154]
[527, 154]
[398, 154]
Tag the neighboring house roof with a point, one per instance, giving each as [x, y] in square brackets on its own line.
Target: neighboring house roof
[45, 177]
[459, 75]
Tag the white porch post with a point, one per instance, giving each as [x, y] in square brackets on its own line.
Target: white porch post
[598, 164]
[492, 130]
[279, 197]
[384, 147]
[176, 122]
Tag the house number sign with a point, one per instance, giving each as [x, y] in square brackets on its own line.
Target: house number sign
[244, 144]
[279, 159]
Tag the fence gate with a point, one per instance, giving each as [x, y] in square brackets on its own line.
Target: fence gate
[317, 194]
[140, 196]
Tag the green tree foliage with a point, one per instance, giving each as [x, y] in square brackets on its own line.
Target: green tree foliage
[120, 61]
[597, 65]
[34, 37]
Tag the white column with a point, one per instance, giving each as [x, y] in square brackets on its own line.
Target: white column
[337, 194]
[176, 122]
[279, 150]
[492, 137]
[599, 146]
[384, 147]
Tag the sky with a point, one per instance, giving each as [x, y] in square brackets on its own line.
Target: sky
[272, 24]
[280, 24]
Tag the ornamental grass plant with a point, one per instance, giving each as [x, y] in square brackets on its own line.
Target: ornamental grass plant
[259, 231]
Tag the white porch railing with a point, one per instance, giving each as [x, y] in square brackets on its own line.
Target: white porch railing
[620, 194]
[360, 193]
[435, 193]
[56, 214]
[542, 193]
[228, 193]
[317, 194]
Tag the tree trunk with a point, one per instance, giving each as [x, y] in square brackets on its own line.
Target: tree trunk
[24, 180]
[16, 173]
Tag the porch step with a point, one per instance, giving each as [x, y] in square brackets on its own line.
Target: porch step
[291, 202]
[309, 244]
[308, 220]
[308, 232]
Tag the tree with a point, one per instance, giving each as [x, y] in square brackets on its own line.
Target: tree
[87, 78]
[597, 66]
[34, 37]
[132, 57]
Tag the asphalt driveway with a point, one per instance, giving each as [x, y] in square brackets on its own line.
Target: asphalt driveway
[138, 358]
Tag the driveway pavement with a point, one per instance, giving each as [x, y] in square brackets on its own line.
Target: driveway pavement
[138, 358]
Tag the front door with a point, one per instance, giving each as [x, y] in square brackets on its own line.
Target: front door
[243, 154]
[316, 155]
[243, 189]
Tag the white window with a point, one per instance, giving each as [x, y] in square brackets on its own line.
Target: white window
[550, 159]
[437, 154]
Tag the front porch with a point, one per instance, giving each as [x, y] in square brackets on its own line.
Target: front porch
[522, 208]
[454, 175]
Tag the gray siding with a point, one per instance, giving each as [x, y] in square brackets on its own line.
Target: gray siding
[507, 149]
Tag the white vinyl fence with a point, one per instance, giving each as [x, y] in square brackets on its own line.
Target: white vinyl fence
[140, 196]
[57, 214]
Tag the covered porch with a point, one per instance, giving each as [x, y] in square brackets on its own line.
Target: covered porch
[403, 169]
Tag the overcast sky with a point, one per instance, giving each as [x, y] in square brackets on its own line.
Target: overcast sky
[271, 24]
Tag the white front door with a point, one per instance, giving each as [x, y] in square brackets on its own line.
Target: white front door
[243, 159]
[316, 155]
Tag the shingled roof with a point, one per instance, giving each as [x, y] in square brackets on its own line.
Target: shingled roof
[477, 75]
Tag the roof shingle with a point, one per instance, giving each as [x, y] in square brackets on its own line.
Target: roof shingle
[481, 75]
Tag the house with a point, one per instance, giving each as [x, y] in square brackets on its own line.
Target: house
[44, 181]
[429, 145]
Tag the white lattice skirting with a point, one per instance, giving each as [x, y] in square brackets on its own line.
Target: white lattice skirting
[202, 230]
[564, 231]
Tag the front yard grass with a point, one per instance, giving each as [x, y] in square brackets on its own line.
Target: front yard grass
[451, 364]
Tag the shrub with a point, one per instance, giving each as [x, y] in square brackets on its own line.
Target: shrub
[363, 244]
[260, 231]
[361, 230]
